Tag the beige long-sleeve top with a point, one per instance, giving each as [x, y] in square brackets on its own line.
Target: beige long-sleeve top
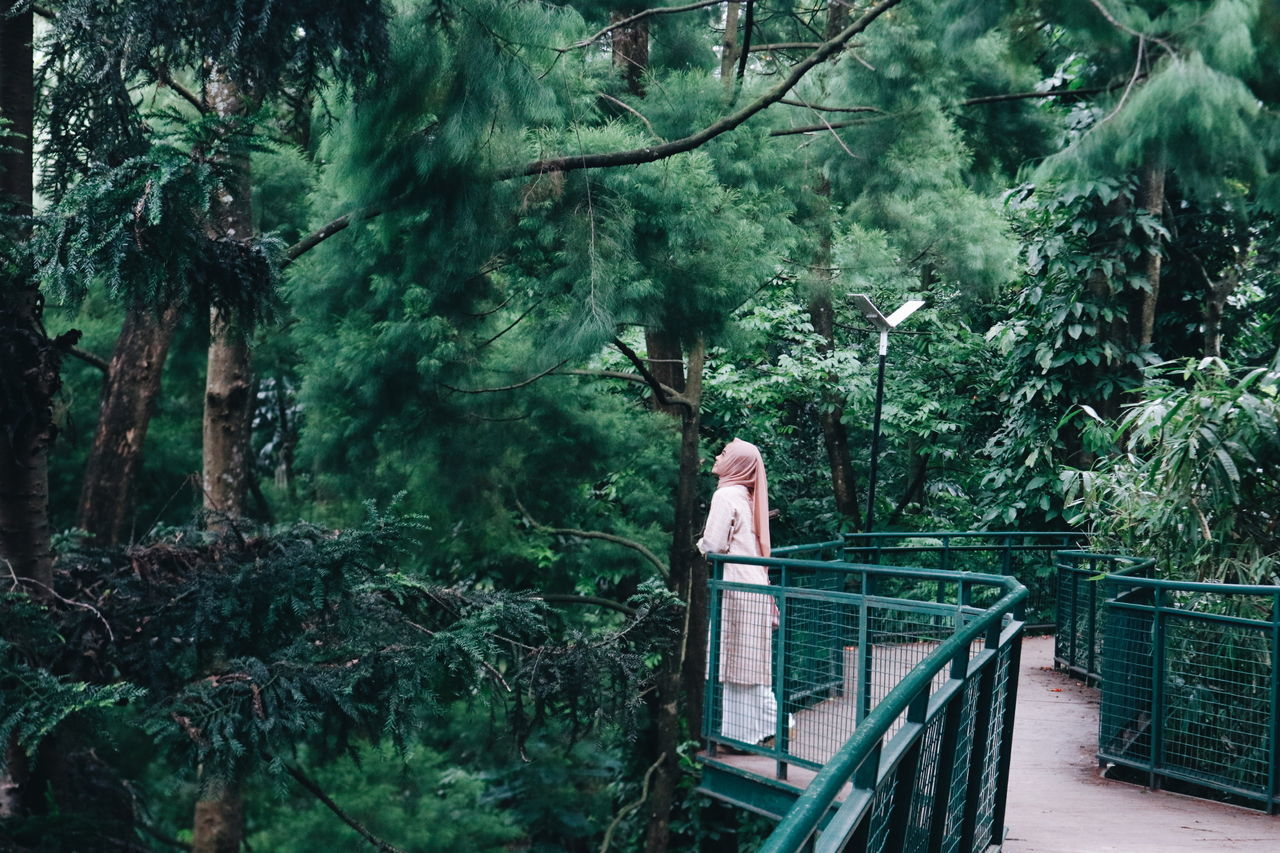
[731, 529]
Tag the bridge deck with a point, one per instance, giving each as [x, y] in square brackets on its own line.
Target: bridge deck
[1058, 801]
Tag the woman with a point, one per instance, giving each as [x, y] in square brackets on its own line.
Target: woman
[738, 523]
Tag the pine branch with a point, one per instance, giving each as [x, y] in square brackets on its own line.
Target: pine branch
[1056, 93]
[653, 153]
[315, 790]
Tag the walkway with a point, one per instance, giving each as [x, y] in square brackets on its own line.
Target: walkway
[1059, 803]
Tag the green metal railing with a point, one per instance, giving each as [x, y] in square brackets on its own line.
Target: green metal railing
[1191, 685]
[1085, 581]
[895, 684]
[1026, 555]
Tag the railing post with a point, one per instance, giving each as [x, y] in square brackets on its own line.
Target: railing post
[1092, 633]
[862, 696]
[1006, 733]
[779, 680]
[1157, 687]
[713, 656]
[946, 553]
[1273, 782]
[1006, 557]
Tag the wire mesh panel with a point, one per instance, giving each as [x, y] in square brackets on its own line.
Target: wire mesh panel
[1190, 686]
[1217, 695]
[1085, 581]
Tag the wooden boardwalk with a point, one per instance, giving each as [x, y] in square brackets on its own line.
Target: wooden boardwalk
[1058, 801]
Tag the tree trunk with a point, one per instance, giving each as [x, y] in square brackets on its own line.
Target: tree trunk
[681, 675]
[128, 402]
[729, 47]
[631, 51]
[228, 401]
[1153, 201]
[228, 410]
[831, 417]
[29, 363]
[1214, 303]
[219, 821]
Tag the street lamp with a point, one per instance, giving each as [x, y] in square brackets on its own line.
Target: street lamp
[884, 324]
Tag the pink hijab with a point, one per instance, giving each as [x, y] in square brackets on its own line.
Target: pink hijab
[740, 465]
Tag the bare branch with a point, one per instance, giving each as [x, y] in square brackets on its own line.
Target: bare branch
[785, 45]
[44, 12]
[315, 791]
[639, 16]
[513, 324]
[162, 74]
[521, 384]
[596, 534]
[631, 806]
[89, 358]
[825, 109]
[315, 238]
[566, 598]
[649, 154]
[1020, 96]
[813, 128]
[611, 99]
[666, 396]
[1111, 19]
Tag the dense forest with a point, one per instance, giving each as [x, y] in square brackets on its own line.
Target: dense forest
[361, 365]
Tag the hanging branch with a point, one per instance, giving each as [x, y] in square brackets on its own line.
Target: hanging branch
[652, 153]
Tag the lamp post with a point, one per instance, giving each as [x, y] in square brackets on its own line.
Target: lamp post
[883, 324]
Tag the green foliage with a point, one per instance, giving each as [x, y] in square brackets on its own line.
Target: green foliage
[419, 802]
[1197, 483]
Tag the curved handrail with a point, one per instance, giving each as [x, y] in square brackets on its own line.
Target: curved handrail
[805, 815]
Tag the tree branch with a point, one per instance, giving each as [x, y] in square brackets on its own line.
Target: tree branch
[595, 534]
[521, 384]
[825, 109]
[315, 238]
[813, 128]
[1019, 96]
[315, 791]
[785, 45]
[639, 16]
[652, 153]
[186, 94]
[90, 358]
[565, 598]
[666, 396]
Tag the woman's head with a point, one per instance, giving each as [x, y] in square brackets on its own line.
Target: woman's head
[738, 463]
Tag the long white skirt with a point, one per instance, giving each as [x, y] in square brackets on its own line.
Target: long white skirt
[749, 712]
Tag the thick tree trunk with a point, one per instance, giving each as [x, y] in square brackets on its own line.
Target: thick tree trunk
[729, 47]
[219, 821]
[124, 415]
[228, 401]
[1153, 201]
[831, 416]
[29, 367]
[681, 675]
